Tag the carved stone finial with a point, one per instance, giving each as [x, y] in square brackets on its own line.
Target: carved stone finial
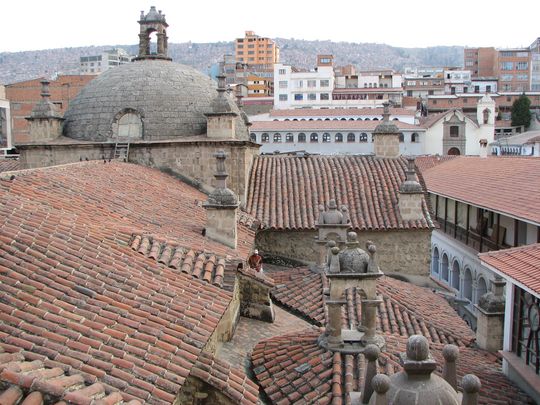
[471, 387]
[346, 217]
[417, 348]
[334, 260]
[371, 353]
[450, 354]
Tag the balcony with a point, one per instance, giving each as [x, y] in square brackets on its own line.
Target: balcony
[471, 238]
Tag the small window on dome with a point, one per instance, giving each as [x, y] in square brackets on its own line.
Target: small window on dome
[129, 125]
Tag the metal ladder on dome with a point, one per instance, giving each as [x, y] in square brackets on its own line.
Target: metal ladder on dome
[121, 151]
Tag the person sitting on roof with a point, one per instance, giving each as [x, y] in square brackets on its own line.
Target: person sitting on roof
[255, 261]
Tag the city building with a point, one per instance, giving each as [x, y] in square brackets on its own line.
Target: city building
[521, 144]
[295, 88]
[92, 65]
[457, 81]
[535, 65]
[5, 121]
[482, 62]
[482, 204]
[514, 69]
[256, 50]
[23, 97]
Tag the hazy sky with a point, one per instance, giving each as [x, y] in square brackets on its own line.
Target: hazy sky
[40, 24]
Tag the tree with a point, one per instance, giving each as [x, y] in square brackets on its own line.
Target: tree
[521, 111]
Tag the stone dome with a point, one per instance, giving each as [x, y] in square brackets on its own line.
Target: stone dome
[148, 100]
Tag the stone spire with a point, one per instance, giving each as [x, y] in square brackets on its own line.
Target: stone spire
[386, 136]
[154, 21]
[410, 195]
[221, 122]
[221, 207]
[45, 119]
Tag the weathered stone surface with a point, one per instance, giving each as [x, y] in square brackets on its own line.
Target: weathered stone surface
[400, 251]
[171, 100]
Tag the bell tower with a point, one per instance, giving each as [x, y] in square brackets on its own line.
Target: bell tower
[154, 21]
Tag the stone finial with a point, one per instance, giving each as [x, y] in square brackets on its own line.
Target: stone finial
[371, 353]
[334, 260]
[471, 387]
[450, 354]
[353, 259]
[410, 185]
[320, 220]
[373, 267]
[386, 136]
[418, 360]
[380, 384]
[332, 215]
[346, 217]
[386, 111]
[493, 301]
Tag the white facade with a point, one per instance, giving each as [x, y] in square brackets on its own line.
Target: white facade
[91, 65]
[302, 89]
[470, 132]
[5, 121]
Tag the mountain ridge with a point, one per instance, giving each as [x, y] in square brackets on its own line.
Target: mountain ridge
[26, 65]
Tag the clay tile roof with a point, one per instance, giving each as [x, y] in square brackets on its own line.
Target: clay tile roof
[8, 165]
[337, 125]
[294, 369]
[204, 266]
[406, 309]
[33, 382]
[521, 264]
[284, 192]
[534, 140]
[508, 185]
[424, 163]
[228, 380]
[328, 112]
[75, 295]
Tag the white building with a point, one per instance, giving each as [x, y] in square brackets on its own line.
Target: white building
[524, 144]
[457, 81]
[5, 121]
[300, 89]
[481, 204]
[454, 133]
[91, 65]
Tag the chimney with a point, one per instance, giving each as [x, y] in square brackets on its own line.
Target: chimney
[221, 207]
[45, 119]
[483, 148]
[410, 195]
[221, 121]
[386, 136]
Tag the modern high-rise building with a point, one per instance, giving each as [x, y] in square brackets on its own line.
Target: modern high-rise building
[256, 50]
[92, 65]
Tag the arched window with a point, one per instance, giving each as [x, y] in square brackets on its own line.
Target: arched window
[338, 137]
[343, 119]
[455, 275]
[363, 137]
[265, 138]
[253, 137]
[327, 119]
[367, 119]
[277, 137]
[314, 137]
[414, 137]
[401, 137]
[295, 119]
[311, 119]
[435, 262]
[128, 124]
[375, 119]
[335, 119]
[326, 137]
[467, 284]
[486, 115]
[289, 138]
[444, 269]
[351, 137]
[481, 288]
[301, 137]
[351, 119]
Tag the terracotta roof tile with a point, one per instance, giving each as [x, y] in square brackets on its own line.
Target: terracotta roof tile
[78, 297]
[328, 125]
[506, 184]
[323, 112]
[284, 192]
[521, 264]
[8, 165]
[33, 382]
[294, 369]
[424, 163]
[406, 309]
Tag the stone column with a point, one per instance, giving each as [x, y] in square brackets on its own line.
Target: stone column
[334, 323]
[160, 43]
[370, 323]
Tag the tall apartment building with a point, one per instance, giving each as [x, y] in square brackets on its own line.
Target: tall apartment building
[92, 65]
[256, 50]
[535, 65]
[482, 62]
[513, 69]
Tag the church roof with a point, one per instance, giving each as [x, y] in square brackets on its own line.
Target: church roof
[285, 192]
[171, 100]
[77, 296]
[294, 369]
